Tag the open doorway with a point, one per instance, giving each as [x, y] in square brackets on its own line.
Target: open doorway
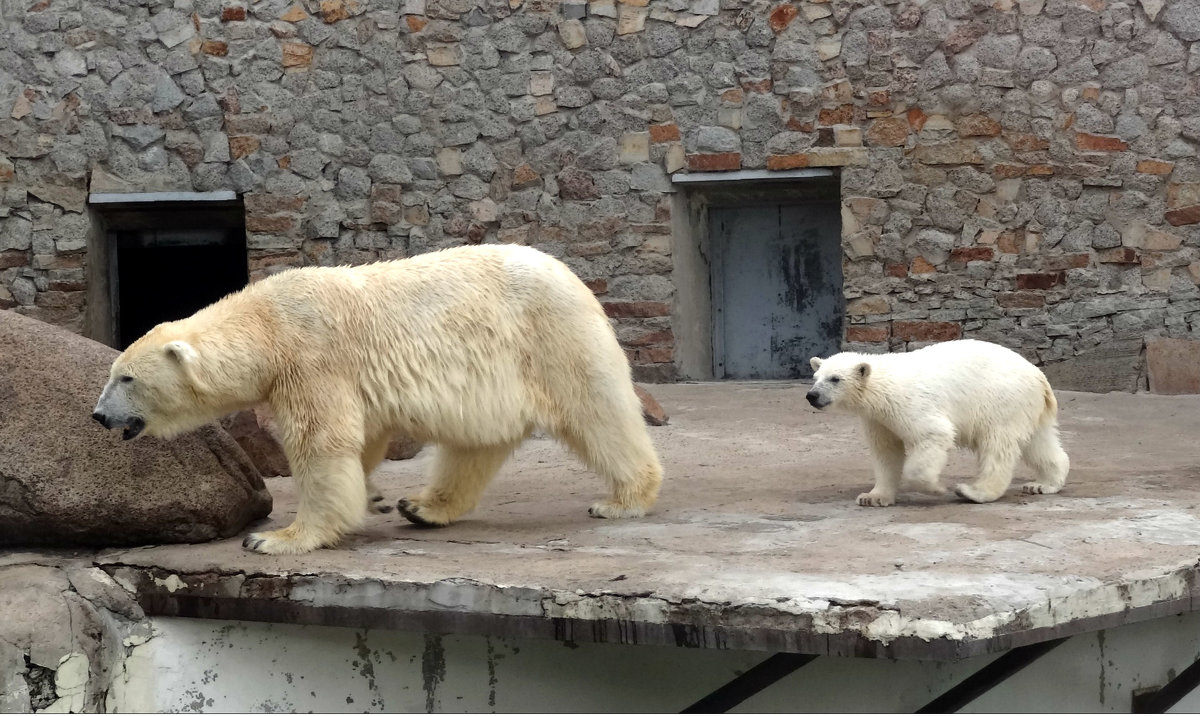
[166, 260]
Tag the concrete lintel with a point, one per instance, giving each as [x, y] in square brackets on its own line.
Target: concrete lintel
[158, 197]
[376, 602]
[750, 175]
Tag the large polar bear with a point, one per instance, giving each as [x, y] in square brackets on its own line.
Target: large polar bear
[471, 348]
[916, 406]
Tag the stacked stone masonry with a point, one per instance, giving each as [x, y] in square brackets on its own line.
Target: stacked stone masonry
[1023, 171]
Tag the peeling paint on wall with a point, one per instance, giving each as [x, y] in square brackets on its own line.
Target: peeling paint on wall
[433, 669]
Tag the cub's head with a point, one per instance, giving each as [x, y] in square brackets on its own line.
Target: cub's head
[839, 380]
[152, 387]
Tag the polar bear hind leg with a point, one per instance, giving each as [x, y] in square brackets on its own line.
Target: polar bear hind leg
[997, 458]
[609, 434]
[1045, 455]
[631, 470]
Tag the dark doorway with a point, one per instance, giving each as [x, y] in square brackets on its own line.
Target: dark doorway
[777, 296]
[167, 262]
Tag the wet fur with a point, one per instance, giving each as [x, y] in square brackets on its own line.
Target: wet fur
[470, 348]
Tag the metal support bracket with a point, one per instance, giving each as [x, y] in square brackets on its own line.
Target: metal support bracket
[754, 680]
[989, 677]
[1157, 701]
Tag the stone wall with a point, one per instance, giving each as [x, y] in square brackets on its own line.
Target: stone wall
[1022, 171]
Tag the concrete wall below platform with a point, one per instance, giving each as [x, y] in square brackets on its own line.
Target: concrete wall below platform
[222, 666]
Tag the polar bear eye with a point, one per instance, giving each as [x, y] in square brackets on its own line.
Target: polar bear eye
[127, 379]
[835, 379]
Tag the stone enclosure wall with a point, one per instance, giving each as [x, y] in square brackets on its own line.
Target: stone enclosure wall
[1021, 171]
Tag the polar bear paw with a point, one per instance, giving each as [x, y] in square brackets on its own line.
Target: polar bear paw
[873, 499]
[974, 494]
[281, 541]
[1037, 488]
[614, 510]
[378, 505]
[419, 514]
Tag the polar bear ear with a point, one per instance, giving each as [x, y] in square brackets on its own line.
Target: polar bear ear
[188, 359]
[863, 370]
[181, 351]
[815, 362]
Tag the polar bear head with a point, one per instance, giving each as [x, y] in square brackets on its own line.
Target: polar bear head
[154, 387]
[839, 381]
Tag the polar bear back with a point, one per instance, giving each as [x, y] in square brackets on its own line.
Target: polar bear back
[976, 386]
[473, 344]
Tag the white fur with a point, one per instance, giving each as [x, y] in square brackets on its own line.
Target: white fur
[916, 406]
[470, 348]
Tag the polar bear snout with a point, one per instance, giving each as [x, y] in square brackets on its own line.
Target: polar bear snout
[113, 411]
[132, 426]
[818, 399]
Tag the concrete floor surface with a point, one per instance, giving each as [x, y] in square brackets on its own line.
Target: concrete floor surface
[756, 541]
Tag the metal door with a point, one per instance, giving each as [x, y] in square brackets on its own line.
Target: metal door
[776, 288]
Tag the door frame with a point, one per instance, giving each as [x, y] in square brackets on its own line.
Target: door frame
[694, 258]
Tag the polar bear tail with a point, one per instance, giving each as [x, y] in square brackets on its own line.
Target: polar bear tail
[1049, 414]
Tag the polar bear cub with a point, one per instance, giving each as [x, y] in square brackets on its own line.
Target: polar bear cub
[916, 406]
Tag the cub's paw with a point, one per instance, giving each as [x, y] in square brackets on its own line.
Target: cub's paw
[871, 499]
[613, 511]
[377, 504]
[277, 542]
[926, 488]
[974, 494]
[1037, 488]
[419, 514]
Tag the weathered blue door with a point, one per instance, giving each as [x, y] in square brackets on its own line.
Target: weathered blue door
[776, 288]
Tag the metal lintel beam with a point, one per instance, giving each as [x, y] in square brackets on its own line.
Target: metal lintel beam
[760, 676]
[989, 677]
[750, 175]
[158, 197]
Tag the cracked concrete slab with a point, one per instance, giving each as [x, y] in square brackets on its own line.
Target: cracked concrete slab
[754, 544]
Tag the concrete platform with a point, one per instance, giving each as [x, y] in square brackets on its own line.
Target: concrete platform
[756, 543]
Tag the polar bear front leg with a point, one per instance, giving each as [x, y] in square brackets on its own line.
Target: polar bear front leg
[332, 495]
[924, 461]
[323, 440]
[376, 502]
[887, 452]
[372, 455]
[460, 475]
